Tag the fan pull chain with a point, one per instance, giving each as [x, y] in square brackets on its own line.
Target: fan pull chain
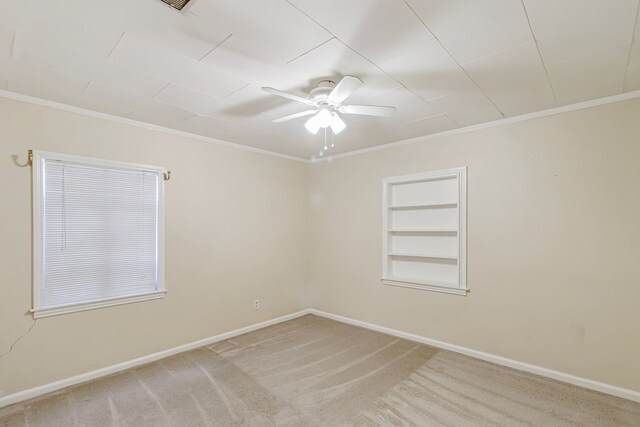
[325, 139]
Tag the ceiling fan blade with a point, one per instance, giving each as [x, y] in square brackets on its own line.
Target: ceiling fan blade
[294, 116]
[287, 95]
[345, 88]
[368, 110]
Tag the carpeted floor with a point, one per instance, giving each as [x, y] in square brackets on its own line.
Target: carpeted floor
[316, 372]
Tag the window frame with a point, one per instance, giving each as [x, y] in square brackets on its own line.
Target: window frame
[37, 162]
[460, 174]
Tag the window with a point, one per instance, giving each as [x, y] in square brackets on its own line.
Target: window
[424, 231]
[98, 233]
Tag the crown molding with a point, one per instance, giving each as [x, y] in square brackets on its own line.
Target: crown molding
[487, 125]
[117, 119]
[496, 123]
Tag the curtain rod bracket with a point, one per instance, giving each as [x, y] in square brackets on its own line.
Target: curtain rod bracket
[167, 175]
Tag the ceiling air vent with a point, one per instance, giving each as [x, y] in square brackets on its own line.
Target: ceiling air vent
[176, 4]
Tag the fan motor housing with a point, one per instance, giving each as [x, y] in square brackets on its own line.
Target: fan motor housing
[322, 91]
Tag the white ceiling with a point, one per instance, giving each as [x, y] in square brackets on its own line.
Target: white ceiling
[443, 63]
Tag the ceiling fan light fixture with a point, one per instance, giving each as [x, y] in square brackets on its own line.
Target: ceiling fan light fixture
[312, 125]
[337, 124]
[327, 99]
[324, 118]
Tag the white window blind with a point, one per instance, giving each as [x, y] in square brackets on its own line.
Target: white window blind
[100, 229]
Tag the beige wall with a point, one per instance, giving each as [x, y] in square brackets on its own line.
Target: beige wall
[235, 231]
[553, 242]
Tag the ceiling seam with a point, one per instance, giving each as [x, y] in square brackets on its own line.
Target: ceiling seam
[455, 60]
[313, 48]
[161, 89]
[496, 53]
[372, 63]
[633, 39]
[84, 89]
[215, 47]
[116, 45]
[13, 44]
[236, 91]
[535, 40]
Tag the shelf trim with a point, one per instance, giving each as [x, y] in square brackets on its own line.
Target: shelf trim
[408, 255]
[425, 286]
[442, 230]
[424, 206]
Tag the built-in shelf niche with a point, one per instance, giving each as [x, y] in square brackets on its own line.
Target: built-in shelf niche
[424, 231]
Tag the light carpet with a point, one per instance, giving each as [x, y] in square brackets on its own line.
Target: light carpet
[313, 371]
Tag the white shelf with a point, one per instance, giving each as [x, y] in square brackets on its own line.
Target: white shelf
[408, 255]
[434, 230]
[447, 288]
[424, 231]
[428, 206]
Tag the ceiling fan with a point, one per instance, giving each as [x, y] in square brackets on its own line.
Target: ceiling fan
[326, 102]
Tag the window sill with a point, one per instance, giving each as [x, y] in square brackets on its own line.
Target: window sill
[425, 286]
[92, 305]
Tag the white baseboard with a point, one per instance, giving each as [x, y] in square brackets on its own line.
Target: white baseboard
[88, 376]
[549, 373]
[538, 370]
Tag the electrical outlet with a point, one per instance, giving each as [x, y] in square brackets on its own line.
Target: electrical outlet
[256, 304]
